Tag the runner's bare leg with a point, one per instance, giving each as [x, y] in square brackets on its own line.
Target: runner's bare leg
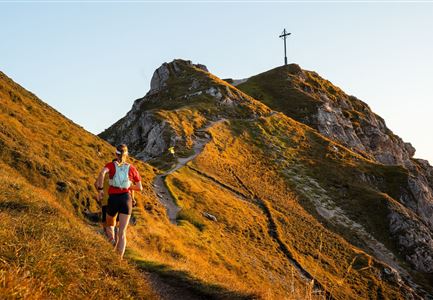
[121, 234]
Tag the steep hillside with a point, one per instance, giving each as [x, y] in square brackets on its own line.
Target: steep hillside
[312, 100]
[308, 98]
[46, 252]
[47, 167]
[281, 195]
[49, 249]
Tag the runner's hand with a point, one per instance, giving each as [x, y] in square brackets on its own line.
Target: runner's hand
[100, 195]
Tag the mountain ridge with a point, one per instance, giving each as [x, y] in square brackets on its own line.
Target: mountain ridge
[47, 206]
[351, 122]
[52, 248]
[281, 194]
[371, 182]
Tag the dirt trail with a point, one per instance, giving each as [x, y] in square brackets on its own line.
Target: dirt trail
[159, 184]
[170, 292]
[167, 200]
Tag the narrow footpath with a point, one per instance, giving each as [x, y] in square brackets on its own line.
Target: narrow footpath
[159, 184]
[167, 200]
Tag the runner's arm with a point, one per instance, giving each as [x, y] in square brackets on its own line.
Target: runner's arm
[136, 187]
[99, 183]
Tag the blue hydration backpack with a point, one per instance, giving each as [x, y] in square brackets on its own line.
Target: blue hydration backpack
[121, 176]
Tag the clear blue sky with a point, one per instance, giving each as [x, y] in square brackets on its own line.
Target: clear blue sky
[90, 61]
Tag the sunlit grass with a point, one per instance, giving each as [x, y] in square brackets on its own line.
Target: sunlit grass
[46, 252]
[245, 177]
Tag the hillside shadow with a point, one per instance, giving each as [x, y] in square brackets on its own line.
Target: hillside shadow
[184, 282]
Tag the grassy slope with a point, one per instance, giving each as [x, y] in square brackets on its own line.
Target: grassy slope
[237, 253]
[47, 171]
[46, 252]
[57, 162]
[298, 96]
[48, 151]
[341, 267]
[281, 89]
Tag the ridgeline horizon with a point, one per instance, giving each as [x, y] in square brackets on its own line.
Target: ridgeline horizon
[281, 186]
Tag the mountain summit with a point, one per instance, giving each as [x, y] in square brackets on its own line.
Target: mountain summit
[310, 99]
[338, 194]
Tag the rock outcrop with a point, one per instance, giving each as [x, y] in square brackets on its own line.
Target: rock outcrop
[175, 85]
[415, 240]
[162, 74]
[146, 135]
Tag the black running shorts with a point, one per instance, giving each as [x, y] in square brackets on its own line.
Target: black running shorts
[119, 203]
[104, 213]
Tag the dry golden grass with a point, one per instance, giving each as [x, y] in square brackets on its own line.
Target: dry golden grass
[47, 149]
[238, 179]
[46, 252]
[345, 270]
[63, 257]
[238, 242]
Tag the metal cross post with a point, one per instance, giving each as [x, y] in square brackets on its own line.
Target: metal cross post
[284, 35]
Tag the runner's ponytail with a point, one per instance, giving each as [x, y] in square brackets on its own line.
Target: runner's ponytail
[121, 153]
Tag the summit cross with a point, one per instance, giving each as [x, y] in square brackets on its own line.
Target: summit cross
[284, 35]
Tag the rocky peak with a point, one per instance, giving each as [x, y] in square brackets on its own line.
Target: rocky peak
[174, 68]
[178, 86]
[159, 78]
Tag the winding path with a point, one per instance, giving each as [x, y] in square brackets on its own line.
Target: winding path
[167, 200]
[159, 184]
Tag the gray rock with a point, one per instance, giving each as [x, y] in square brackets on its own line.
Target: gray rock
[146, 135]
[195, 85]
[415, 240]
[210, 217]
[163, 73]
[159, 78]
[214, 92]
[351, 122]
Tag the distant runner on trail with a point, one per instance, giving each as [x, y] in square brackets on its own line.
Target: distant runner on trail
[123, 180]
[171, 150]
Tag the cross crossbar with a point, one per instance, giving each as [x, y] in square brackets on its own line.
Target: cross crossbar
[284, 35]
